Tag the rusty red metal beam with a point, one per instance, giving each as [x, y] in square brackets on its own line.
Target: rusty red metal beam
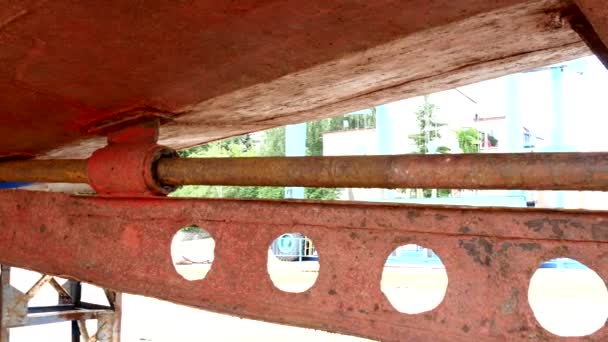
[537, 171]
[581, 25]
[596, 13]
[489, 254]
[223, 68]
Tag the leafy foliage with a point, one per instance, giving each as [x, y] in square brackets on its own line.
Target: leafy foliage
[429, 130]
[468, 140]
[274, 142]
[231, 147]
[428, 126]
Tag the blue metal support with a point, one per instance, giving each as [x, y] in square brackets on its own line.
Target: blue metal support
[13, 185]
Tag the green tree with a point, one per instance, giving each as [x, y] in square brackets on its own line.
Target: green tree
[231, 147]
[314, 137]
[314, 147]
[273, 144]
[468, 140]
[353, 121]
[244, 143]
[428, 130]
[427, 125]
[314, 142]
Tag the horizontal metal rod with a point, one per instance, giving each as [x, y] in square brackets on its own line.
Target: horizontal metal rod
[525, 171]
[44, 171]
[539, 171]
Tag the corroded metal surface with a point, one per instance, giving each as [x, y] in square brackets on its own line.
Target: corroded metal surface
[580, 24]
[489, 254]
[540, 171]
[119, 165]
[596, 12]
[219, 68]
[45, 171]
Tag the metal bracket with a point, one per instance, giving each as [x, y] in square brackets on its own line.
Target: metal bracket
[126, 166]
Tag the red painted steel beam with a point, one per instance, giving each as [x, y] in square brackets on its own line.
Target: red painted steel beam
[596, 12]
[591, 33]
[214, 69]
[489, 254]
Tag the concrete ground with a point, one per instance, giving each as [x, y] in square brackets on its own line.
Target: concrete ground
[567, 302]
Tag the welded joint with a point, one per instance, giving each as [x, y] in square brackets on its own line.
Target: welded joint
[126, 167]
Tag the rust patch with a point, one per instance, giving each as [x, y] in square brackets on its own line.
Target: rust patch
[510, 305]
[402, 240]
[505, 247]
[536, 225]
[464, 230]
[480, 249]
[440, 217]
[557, 226]
[529, 246]
[600, 231]
[412, 215]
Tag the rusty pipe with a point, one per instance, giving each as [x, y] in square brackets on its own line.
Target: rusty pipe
[44, 171]
[525, 171]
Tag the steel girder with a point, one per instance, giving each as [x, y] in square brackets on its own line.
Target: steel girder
[489, 254]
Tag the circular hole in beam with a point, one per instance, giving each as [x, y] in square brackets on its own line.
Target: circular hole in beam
[293, 262]
[192, 252]
[414, 279]
[568, 298]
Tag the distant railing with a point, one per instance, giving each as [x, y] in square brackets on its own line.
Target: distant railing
[293, 247]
